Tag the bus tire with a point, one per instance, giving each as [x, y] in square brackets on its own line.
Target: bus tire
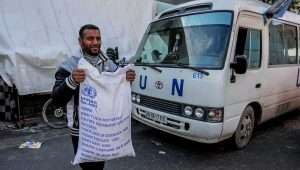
[244, 131]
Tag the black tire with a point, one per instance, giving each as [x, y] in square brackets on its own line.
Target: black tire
[53, 116]
[244, 131]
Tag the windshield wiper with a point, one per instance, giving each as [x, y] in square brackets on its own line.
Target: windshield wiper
[155, 68]
[193, 68]
[150, 66]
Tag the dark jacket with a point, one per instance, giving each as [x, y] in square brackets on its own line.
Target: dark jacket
[65, 92]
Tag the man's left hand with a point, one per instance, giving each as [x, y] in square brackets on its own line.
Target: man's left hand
[130, 75]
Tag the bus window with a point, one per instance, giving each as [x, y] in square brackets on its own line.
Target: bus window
[282, 44]
[156, 47]
[198, 40]
[249, 44]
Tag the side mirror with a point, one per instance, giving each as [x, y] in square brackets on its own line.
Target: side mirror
[240, 64]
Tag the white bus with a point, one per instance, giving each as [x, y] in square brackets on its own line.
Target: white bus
[209, 70]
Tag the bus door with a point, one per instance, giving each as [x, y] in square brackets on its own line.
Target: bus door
[248, 44]
[243, 88]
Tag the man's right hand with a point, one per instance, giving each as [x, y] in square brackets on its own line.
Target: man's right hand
[78, 75]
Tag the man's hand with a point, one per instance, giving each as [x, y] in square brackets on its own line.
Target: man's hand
[130, 75]
[78, 75]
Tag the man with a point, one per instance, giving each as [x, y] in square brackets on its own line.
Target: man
[68, 77]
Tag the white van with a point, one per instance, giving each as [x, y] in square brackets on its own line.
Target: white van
[209, 70]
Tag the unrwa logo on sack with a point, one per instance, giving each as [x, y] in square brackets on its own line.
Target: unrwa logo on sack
[89, 91]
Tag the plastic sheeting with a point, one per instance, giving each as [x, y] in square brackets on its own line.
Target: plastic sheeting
[35, 35]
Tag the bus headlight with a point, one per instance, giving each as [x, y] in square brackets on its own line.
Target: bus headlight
[188, 110]
[215, 115]
[199, 113]
[138, 98]
[133, 97]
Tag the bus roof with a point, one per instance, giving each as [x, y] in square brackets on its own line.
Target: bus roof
[236, 6]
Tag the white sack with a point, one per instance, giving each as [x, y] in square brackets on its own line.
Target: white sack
[104, 115]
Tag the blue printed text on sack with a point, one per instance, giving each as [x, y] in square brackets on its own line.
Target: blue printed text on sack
[89, 102]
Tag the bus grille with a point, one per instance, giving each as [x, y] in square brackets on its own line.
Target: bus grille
[161, 105]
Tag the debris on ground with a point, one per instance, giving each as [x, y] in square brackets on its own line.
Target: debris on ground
[30, 145]
[156, 143]
[162, 152]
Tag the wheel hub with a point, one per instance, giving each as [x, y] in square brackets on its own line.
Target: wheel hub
[246, 127]
[58, 112]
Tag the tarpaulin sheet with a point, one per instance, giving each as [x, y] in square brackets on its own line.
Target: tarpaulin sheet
[35, 35]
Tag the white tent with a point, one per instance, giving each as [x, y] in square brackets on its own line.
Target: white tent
[35, 35]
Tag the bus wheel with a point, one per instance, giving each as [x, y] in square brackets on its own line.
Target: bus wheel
[245, 128]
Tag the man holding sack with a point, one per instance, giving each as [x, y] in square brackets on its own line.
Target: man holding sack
[97, 95]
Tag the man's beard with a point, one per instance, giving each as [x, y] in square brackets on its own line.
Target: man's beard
[89, 52]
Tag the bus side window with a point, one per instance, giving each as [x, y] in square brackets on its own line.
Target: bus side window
[282, 44]
[249, 44]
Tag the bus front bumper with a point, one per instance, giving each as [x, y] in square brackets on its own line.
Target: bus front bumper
[195, 130]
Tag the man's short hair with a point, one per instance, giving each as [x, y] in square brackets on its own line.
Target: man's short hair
[85, 27]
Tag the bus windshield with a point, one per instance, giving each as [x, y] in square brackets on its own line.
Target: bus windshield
[198, 40]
